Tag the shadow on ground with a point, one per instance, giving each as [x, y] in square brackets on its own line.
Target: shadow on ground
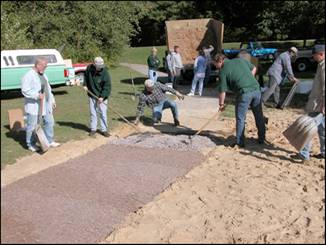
[74, 125]
[18, 136]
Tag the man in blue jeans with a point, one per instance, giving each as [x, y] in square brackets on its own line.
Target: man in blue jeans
[316, 103]
[37, 92]
[238, 75]
[154, 96]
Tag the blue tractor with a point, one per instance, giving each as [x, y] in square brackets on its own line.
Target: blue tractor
[255, 49]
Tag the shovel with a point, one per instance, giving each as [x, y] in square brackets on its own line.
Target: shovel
[290, 95]
[133, 97]
[114, 111]
[301, 131]
[215, 116]
[40, 135]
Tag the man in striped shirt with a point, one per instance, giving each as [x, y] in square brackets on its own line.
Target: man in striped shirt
[154, 96]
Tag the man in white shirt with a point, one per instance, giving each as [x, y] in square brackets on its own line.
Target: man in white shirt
[37, 92]
[177, 66]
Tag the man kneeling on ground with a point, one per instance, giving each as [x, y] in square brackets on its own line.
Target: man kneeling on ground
[154, 96]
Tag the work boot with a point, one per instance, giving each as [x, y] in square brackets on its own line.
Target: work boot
[299, 157]
[176, 122]
[319, 156]
[106, 134]
[234, 145]
[92, 133]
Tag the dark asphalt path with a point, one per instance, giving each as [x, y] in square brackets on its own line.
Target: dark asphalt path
[82, 200]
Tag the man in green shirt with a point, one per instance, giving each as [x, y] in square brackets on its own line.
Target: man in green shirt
[237, 75]
[98, 82]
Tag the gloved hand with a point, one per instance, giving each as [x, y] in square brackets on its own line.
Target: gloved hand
[179, 95]
[85, 88]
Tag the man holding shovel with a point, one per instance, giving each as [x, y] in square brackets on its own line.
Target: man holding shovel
[238, 75]
[154, 96]
[280, 70]
[316, 103]
[37, 92]
[98, 83]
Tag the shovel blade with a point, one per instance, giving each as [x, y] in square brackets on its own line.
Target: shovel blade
[41, 138]
[301, 131]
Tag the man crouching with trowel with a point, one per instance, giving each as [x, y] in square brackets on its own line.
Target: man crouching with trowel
[154, 96]
[238, 75]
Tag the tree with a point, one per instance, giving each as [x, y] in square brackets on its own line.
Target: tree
[87, 29]
[13, 34]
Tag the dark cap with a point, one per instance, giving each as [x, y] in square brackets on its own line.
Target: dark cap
[318, 48]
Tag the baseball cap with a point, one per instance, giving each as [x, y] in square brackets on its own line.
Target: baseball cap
[149, 83]
[318, 48]
[294, 50]
[99, 62]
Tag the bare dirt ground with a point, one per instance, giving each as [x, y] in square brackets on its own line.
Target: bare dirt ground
[251, 195]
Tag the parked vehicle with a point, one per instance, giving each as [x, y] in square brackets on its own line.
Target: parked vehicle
[304, 60]
[255, 49]
[16, 63]
[80, 69]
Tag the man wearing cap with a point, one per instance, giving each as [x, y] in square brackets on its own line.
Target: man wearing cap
[154, 96]
[277, 73]
[98, 83]
[153, 63]
[316, 103]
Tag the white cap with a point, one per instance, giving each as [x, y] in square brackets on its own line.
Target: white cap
[149, 83]
[294, 50]
[99, 62]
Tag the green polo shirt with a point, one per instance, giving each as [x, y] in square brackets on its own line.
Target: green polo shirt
[236, 76]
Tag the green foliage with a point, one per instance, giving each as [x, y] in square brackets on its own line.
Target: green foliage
[87, 28]
[281, 20]
[91, 28]
[13, 34]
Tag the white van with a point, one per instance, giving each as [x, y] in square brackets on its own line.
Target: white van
[16, 63]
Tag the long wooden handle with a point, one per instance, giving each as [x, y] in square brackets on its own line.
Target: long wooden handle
[114, 111]
[208, 122]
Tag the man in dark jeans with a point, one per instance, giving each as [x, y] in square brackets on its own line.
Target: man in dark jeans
[238, 75]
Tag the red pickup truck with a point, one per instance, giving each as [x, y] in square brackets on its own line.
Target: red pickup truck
[80, 69]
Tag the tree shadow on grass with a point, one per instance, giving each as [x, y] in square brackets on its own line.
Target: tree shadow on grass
[18, 136]
[137, 80]
[74, 125]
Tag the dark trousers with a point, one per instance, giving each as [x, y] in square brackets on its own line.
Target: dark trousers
[243, 101]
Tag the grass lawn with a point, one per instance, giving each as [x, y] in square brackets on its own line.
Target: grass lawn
[71, 115]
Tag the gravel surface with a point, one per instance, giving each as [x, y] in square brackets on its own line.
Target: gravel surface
[176, 142]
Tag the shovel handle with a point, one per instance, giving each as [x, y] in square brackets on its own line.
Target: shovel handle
[208, 122]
